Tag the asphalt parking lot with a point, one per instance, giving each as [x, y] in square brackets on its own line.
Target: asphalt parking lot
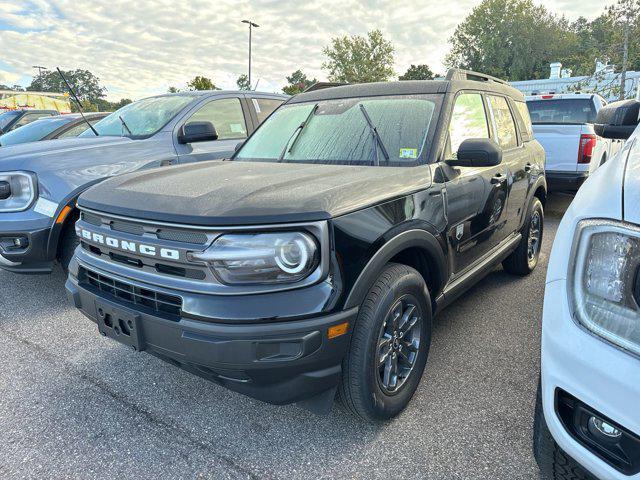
[74, 404]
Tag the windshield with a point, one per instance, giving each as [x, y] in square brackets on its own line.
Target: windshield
[340, 132]
[34, 131]
[562, 111]
[142, 118]
[6, 118]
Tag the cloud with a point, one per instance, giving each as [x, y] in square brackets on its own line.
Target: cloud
[141, 48]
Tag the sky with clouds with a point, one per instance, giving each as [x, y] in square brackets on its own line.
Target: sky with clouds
[140, 48]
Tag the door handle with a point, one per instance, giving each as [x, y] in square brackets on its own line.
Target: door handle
[166, 163]
[528, 167]
[498, 178]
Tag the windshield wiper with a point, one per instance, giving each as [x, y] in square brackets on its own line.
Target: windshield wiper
[124, 124]
[376, 136]
[298, 131]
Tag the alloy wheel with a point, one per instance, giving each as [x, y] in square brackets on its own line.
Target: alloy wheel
[398, 344]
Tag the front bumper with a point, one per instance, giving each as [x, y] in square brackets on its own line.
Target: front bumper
[35, 257]
[598, 374]
[565, 181]
[278, 362]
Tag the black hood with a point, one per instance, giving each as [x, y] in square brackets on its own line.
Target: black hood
[223, 193]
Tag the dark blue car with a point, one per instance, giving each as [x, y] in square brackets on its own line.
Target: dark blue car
[40, 181]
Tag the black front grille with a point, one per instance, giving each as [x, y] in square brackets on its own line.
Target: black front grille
[132, 228]
[168, 306]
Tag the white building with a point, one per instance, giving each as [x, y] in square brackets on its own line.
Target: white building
[604, 81]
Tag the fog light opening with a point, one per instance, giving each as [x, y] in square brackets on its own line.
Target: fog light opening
[597, 426]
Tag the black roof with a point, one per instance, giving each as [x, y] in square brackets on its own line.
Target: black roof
[456, 80]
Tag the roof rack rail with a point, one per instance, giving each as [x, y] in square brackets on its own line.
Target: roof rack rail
[322, 86]
[461, 74]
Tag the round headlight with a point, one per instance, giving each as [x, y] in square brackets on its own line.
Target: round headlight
[294, 254]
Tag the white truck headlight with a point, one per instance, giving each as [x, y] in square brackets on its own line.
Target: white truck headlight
[262, 258]
[604, 283]
[17, 191]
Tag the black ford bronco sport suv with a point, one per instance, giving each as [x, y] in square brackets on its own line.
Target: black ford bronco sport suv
[314, 260]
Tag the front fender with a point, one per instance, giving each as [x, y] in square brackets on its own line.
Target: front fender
[412, 238]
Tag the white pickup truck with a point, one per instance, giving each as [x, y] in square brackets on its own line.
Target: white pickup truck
[563, 124]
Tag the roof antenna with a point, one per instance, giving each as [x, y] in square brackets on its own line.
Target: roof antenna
[73, 94]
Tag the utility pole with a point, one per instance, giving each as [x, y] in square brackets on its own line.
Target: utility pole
[625, 59]
[628, 11]
[251, 25]
[40, 69]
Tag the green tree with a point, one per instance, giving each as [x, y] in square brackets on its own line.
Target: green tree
[84, 83]
[243, 82]
[173, 90]
[15, 88]
[106, 106]
[417, 72]
[201, 83]
[298, 82]
[358, 59]
[511, 39]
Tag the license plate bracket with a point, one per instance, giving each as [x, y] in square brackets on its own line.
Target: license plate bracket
[119, 324]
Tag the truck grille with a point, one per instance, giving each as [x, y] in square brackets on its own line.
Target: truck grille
[164, 233]
[168, 306]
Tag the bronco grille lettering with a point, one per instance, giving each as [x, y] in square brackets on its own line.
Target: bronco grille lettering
[134, 247]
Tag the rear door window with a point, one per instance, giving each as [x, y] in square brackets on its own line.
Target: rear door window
[503, 123]
[264, 107]
[570, 111]
[226, 116]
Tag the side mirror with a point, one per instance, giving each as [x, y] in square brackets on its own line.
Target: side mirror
[197, 132]
[617, 120]
[477, 152]
[238, 146]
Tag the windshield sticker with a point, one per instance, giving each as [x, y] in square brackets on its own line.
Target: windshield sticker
[408, 153]
[236, 127]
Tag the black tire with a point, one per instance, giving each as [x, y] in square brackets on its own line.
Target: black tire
[67, 245]
[554, 463]
[362, 390]
[520, 262]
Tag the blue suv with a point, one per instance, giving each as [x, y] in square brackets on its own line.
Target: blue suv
[40, 182]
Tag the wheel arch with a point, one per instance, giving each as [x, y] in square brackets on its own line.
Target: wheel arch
[416, 248]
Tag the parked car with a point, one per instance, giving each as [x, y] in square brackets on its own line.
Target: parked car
[315, 259]
[13, 119]
[563, 124]
[587, 420]
[51, 128]
[41, 181]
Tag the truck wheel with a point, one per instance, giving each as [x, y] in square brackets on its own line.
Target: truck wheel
[553, 462]
[389, 345]
[524, 259]
[68, 243]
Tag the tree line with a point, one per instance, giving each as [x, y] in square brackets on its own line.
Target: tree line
[510, 39]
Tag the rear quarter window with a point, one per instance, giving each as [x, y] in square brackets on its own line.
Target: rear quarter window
[524, 120]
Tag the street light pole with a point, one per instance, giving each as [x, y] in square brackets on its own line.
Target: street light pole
[251, 25]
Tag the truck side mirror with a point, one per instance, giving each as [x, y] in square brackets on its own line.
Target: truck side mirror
[477, 152]
[617, 120]
[197, 132]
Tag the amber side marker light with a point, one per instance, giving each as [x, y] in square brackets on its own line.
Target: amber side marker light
[337, 330]
[63, 214]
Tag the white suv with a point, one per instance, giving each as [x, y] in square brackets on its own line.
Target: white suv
[588, 409]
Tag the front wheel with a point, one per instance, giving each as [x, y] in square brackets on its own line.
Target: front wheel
[389, 345]
[524, 258]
